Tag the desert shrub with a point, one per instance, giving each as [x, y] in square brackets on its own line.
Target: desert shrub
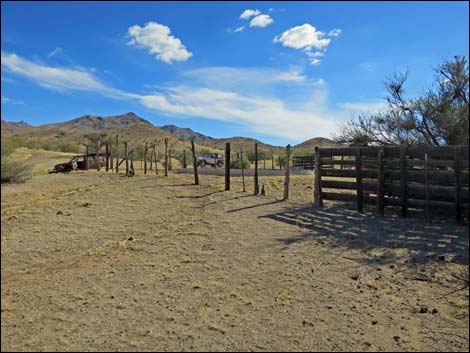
[262, 155]
[12, 171]
[237, 163]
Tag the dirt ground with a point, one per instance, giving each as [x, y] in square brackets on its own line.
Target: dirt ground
[98, 261]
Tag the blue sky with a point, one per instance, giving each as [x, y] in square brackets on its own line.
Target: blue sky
[279, 71]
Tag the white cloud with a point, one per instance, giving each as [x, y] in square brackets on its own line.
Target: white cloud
[261, 21]
[6, 100]
[307, 38]
[249, 13]
[239, 29]
[248, 97]
[300, 37]
[57, 78]
[158, 40]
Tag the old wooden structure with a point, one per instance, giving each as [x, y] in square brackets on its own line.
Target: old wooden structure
[430, 179]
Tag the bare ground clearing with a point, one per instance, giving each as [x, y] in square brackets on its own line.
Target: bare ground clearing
[96, 261]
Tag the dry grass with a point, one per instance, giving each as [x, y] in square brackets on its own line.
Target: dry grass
[96, 261]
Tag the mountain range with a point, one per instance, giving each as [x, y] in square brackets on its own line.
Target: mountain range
[135, 129]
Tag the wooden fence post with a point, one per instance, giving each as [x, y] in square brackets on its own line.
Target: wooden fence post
[256, 191]
[196, 177]
[380, 183]
[227, 166]
[98, 164]
[145, 158]
[458, 151]
[107, 156]
[86, 158]
[169, 159]
[272, 162]
[117, 154]
[166, 156]
[155, 156]
[127, 156]
[317, 197]
[243, 170]
[132, 171]
[151, 158]
[426, 183]
[280, 165]
[111, 162]
[184, 159]
[264, 164]
[403, 180]
[287, 177]
[359, 186]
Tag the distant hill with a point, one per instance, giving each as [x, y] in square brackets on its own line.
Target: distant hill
[97, 123]
[11, 128]
[320, 142]
[185, 133]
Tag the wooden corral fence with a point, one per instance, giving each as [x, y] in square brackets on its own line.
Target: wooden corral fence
[432, 179]
[304, 162]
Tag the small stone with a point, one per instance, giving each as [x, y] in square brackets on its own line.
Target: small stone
[130, 239]
[423, 310]
[435, 311]
[59, 212]
[355, 276]
[396, 338]
[374, 322]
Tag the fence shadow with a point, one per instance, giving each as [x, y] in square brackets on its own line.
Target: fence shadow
[426, 242]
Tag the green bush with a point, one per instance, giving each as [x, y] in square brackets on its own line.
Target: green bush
[12, 171]
[237, 163]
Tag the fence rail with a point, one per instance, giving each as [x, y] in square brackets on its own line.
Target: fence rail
[428, 178]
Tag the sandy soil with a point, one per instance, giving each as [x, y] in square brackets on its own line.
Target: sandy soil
[95, 261]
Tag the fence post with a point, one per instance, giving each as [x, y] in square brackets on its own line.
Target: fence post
[317, 197]
[132, 163]
[145, 158]
[111, 162]
[151, 158]
[458, 183]
[98, 164]
[155, 156]
[286, 175]
[127, 156]
[227, 166]
[272, 162]
[403, 180]
[243, 169]
[117, 153]
[380, 182]
[86, 158]
[107, 156]
[256, 191]
[196, 177]
[184, 159]
[169, 159]
[426, 182]
[359, 186]
[166, 156]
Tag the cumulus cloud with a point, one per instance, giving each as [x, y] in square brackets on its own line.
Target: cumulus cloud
[307, 38]
[261, 21]
[249, 13]
[157, 38]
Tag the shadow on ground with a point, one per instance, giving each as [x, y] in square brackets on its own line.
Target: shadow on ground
[426, 242]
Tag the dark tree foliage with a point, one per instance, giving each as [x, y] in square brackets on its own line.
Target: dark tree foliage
[438, 117]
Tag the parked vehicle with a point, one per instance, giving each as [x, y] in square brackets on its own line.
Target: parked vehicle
[212, 159]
